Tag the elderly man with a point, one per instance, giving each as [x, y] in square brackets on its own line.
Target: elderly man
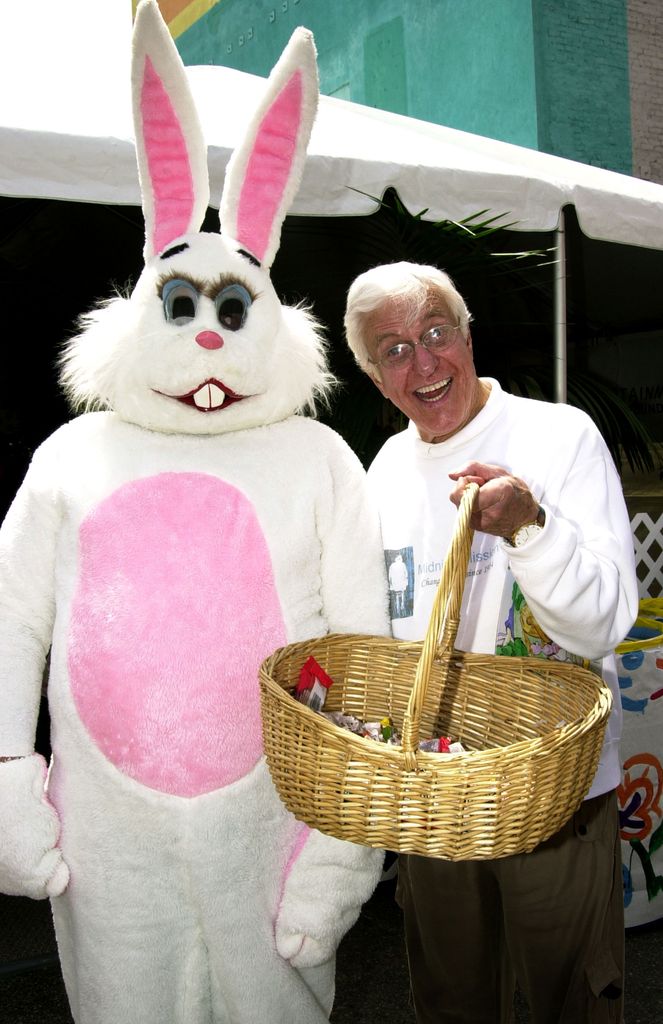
[551, 573]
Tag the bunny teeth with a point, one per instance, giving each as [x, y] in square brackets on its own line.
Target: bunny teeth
[210, 396]
[207, 397]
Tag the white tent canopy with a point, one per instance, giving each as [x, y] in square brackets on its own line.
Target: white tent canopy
[65, 151]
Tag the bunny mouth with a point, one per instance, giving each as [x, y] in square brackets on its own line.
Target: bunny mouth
[208, 397]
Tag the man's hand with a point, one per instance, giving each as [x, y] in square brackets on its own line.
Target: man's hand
[504, 502]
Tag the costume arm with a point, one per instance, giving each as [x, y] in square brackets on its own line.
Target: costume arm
[330, 879]
[27, 556]
[30, 864]
[354, 581]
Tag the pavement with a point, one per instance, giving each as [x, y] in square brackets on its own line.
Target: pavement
[371, 980]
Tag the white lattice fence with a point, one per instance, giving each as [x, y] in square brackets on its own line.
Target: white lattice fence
[648, 544]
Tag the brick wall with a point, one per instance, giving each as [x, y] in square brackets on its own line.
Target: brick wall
[582, 81]
[645, 42]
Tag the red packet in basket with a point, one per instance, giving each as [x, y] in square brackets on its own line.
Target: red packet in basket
[313, 685]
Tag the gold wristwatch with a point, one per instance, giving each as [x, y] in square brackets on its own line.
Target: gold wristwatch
[528, 531]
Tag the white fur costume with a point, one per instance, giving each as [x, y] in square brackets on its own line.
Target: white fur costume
[161, 550]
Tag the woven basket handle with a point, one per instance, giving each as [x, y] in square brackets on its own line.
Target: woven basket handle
[444, 620]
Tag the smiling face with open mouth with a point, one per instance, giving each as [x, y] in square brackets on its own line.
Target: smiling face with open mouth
[439, 391]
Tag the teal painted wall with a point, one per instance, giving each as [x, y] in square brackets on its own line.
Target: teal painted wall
[468, 64]
[471, 66]
[582, 75]
[549, 74]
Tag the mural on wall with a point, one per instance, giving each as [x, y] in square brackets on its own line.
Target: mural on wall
[180, 15]
[584, 80]
[640, 795]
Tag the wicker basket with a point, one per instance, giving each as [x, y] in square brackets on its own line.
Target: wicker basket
[532, 730]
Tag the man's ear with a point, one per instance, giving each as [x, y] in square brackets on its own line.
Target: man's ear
[376, 380]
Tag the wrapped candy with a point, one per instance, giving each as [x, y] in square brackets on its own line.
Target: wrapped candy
[311, 690]
[313, 684]
[441, 745]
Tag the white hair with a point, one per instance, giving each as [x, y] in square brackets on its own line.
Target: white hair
[411, 285]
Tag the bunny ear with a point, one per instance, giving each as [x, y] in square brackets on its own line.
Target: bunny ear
[264, 172]
[172, 156]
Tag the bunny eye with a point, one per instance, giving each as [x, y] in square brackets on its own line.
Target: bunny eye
[232, 305]
[180, 301]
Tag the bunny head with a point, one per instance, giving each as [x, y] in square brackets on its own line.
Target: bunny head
[203, 345]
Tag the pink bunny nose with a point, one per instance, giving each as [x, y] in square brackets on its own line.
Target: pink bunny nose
[209, 339]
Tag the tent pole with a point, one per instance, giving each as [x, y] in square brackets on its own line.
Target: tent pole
[560, 312]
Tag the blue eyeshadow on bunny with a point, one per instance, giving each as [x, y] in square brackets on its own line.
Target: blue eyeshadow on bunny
[164, 542]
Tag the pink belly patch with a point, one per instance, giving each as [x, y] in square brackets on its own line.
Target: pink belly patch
[175, 608]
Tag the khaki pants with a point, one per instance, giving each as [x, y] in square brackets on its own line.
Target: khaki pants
[553, 919]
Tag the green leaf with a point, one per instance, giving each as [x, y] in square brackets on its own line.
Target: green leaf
[656, 840]
[653, 882]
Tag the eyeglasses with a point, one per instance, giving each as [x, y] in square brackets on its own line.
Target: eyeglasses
[435, 340]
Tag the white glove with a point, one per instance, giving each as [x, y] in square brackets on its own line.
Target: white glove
[30, 862]
[322, 898]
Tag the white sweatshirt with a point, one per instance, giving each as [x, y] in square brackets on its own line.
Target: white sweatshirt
[577, 575]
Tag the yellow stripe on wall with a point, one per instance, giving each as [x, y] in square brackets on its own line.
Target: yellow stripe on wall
[189, 14]
[180, 15]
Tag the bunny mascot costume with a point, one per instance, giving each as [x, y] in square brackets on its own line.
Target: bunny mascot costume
[161, 547]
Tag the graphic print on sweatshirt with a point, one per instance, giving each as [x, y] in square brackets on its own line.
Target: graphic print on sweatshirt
[424, 574]
[518, 632]
[400, 574]
[174, 610]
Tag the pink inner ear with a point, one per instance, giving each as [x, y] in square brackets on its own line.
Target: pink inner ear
[268, 168]
[167, 161]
